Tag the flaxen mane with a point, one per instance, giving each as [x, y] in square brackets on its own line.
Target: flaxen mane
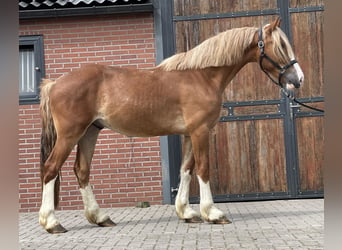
[226, 48]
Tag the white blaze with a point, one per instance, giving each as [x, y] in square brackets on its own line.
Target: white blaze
[299, 72]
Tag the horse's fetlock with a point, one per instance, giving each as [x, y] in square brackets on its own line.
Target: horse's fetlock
[95, 216]
[47, 219]
[91, 216]
[211, 213]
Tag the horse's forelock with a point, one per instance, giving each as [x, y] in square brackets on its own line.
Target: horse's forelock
[281, 46]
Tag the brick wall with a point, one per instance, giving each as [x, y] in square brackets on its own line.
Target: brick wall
[124, 170]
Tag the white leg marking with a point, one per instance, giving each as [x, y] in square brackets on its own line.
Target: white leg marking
[184, 211]
[91, 209]
[208, 211]
[47, 217]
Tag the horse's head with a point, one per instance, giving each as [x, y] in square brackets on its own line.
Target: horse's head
[276, 57]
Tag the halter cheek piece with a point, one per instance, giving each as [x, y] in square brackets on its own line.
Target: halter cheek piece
[263, 55]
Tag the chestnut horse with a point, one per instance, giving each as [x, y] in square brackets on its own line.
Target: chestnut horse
[182, 95]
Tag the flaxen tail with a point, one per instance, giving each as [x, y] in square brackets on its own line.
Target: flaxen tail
[48, 137]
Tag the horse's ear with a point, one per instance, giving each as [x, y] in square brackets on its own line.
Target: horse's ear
[274, 25]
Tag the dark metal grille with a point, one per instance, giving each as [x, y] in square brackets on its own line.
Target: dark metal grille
[27, 78]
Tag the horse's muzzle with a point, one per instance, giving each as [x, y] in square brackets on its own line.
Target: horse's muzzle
[294, 78]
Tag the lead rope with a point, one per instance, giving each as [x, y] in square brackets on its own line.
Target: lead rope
[300, 103]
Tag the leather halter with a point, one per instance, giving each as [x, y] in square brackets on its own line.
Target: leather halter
[263, 55]
[282, 70]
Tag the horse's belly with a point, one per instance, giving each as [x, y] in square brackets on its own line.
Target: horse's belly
[145, 126]
[142, 112]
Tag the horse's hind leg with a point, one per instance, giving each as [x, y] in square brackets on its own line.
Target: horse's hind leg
[183, 209]
[85, 151]
[52, 166]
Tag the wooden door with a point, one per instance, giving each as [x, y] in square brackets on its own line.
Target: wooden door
[309, 125]
[263, 147]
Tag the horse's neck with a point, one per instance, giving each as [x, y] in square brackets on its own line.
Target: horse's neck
[221, 76]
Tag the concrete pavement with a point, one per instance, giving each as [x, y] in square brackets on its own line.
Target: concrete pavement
[282, 224]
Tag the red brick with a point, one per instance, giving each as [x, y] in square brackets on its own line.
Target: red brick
[116, 169]
[131, 199]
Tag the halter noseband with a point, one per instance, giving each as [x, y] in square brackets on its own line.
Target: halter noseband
[263, 55]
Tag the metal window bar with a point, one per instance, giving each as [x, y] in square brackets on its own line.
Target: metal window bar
[27, 71]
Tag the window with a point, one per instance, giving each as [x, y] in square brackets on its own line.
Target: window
[31, 68]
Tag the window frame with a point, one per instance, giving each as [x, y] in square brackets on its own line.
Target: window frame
[38, 49]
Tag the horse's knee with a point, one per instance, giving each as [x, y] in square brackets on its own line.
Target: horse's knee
[203, 173]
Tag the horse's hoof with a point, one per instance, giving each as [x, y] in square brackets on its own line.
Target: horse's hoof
[195, 219]
[57, 229]
[107, 223]
[221, 220]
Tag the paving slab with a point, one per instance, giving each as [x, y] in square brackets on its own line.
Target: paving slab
[280, 224]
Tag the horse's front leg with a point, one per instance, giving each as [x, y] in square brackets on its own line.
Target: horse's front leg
[183, 209]
[200, 142]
